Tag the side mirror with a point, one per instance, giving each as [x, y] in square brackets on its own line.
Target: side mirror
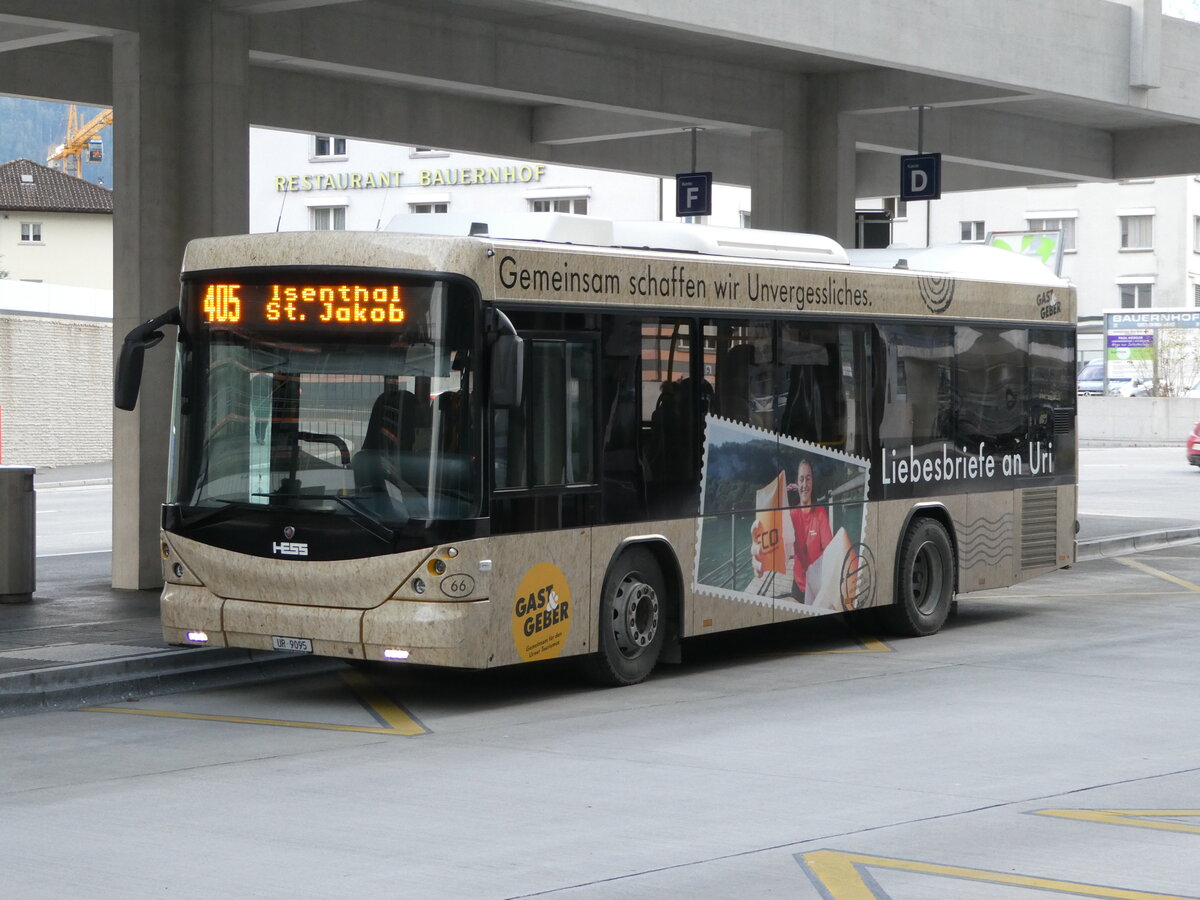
[508, 371]
[128, 380]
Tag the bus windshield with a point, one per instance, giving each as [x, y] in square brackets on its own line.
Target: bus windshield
[352, 397]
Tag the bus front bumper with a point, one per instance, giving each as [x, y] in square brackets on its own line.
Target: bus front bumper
[422, 633]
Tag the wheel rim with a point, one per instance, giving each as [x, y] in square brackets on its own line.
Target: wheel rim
[928, 579]
[635, 615]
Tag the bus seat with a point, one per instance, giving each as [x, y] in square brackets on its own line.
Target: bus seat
[394, 420]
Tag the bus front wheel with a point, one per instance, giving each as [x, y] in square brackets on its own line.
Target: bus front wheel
[633, 620]
[924, 581]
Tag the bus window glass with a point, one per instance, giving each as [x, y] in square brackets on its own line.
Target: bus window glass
[1052, 395]
[580, 412]
[620, 349]
[550, 440]
[743, 371]
[671, 398]
[918, 366]
[810, 367]
[331, 420]
[991, 395]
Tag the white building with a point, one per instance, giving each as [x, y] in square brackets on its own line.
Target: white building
[300, 182]
[54, 228]
[1128, 245]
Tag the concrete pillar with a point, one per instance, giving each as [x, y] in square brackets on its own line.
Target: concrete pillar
[179, 101]
[831, 163]
[778, 186]
[803, 176]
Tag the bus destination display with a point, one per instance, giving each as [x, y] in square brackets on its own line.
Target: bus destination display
[303, 306]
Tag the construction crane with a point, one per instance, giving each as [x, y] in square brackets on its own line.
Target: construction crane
[80, 140]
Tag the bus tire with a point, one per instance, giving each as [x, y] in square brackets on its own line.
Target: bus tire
[633, 621]
[924, 581]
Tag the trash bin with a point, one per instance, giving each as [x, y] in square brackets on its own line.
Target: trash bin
[17, 534]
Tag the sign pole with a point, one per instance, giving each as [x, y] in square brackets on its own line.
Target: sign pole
[921, 150]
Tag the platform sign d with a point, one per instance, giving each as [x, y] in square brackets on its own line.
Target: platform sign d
[693, 194]
[921, 176]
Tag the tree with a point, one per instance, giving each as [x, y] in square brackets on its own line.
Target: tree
[1176, 363]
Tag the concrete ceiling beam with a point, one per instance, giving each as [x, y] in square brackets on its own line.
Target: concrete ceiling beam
[1151, 152]
[96, 18]
[319, 104]
[453, 53]
[995, 140]
[569, 125]
[77, 72]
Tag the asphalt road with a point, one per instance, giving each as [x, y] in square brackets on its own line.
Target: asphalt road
[1045, 743]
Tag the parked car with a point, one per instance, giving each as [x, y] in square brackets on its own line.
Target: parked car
[1193, 445]
[1090, 381]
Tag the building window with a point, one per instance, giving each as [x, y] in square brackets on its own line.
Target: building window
[1196, 295]
[429, 207]
[329, 218]
[577, 205]
[326, 146]
[1196, 234]
[744, 218]
[971, 231]
[31, 232]
[1136, 296]
[1066, 226]
[1137, 232]
[897, 207]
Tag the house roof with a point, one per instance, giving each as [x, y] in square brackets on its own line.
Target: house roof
[26, 185]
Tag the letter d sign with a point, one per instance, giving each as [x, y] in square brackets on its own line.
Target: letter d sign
[921, 176]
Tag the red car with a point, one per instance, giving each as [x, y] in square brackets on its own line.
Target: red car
[1193, 450]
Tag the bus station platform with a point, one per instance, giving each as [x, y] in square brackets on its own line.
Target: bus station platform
[80, 642]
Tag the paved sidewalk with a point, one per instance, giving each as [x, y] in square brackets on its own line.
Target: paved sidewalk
[81, 642]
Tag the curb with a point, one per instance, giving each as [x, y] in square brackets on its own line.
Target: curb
[83, 482]
[1135, 543]
[166, 672]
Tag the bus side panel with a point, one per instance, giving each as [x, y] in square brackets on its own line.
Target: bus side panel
[542, 596]
[985, 538]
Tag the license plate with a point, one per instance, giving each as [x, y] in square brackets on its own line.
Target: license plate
[292, 645]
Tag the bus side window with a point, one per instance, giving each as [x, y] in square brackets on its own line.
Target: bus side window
[816, 407]
[550, 439]
[744, 372]
[670, 399]
[917, 365]
[991, 394]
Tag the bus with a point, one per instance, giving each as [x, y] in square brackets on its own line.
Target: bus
[571, 437]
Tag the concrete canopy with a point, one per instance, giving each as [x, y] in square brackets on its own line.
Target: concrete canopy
[805, 101]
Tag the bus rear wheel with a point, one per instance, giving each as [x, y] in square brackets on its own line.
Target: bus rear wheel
[633, 621]
[924, 581]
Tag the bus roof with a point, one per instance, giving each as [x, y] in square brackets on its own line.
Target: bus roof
[565, 228]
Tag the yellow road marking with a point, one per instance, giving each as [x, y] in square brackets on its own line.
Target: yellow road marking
[841, 876]
[396, 720]
[1150, 570]
[865, 645]
[1131, 818]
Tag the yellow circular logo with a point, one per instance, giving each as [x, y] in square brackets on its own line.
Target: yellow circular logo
[542, 612]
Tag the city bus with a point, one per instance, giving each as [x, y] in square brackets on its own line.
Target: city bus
[572, 437]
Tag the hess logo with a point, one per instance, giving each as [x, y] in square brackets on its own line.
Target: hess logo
[289, 547]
